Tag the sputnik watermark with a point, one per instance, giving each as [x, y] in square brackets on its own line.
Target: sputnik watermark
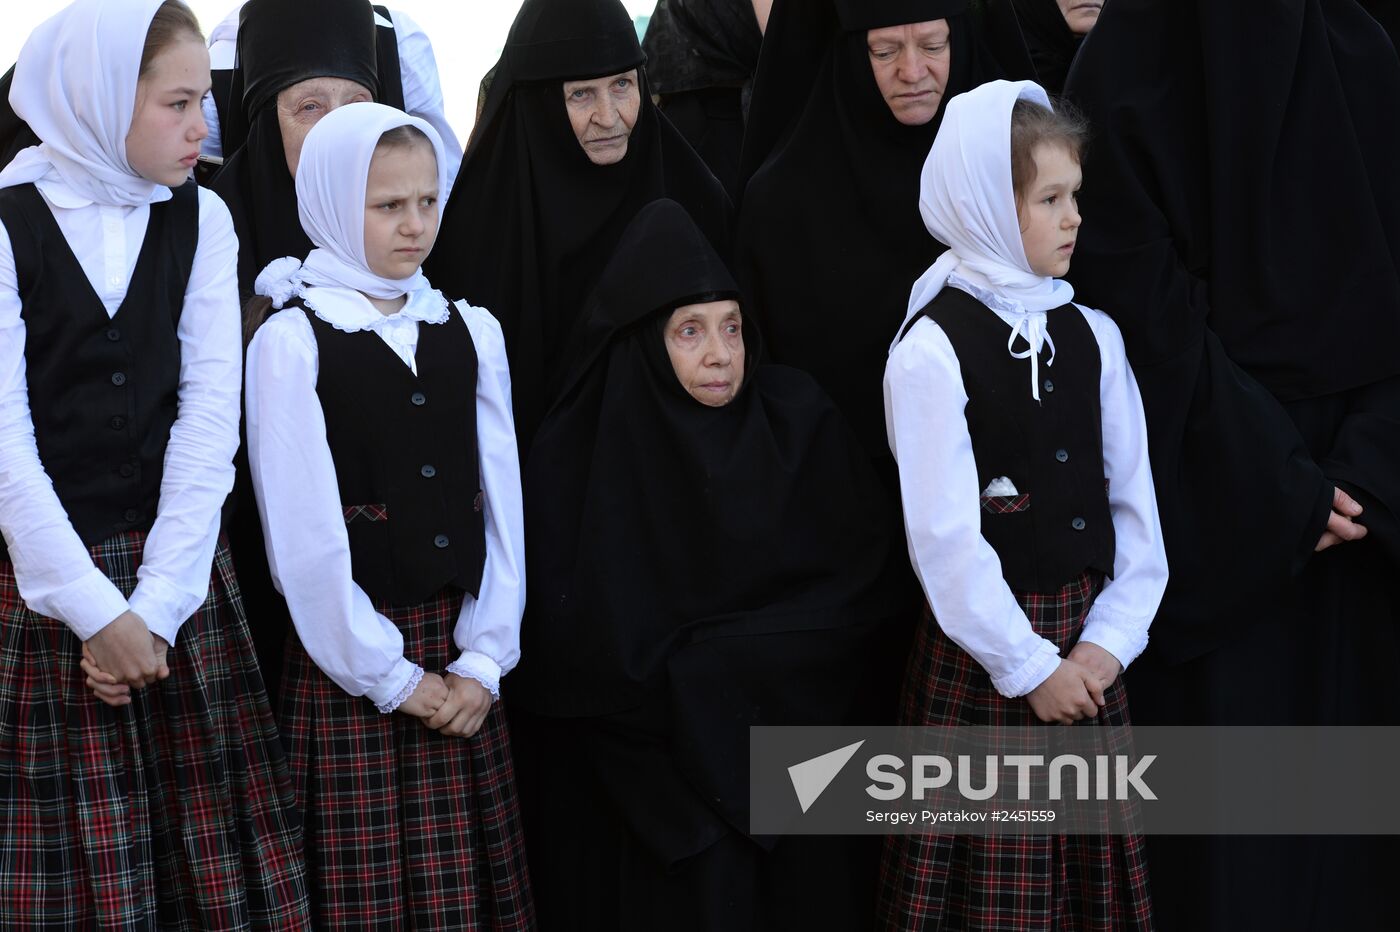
[1114, 778]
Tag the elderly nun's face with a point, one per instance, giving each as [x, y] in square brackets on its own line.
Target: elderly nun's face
[911, 65]
[706, 346]
[602, 113]
[302, 105]
[1081, 15]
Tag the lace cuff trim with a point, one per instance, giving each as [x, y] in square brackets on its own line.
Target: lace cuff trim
[393, 704]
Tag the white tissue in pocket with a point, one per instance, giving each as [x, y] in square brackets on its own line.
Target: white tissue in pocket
[1000, 487]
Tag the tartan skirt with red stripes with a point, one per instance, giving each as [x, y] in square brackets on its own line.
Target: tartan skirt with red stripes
[405, 828]
[1009, 882]
[174, 812]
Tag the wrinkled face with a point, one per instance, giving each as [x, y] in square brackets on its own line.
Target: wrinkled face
[167, 124]
[300, 106]
[911, 65]
[1049, 211]
[602, 113]
[706, 346]
[1081, 15]
[401, 209]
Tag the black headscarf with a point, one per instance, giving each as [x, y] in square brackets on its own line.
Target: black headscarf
[280, 44]
[724, 561]
[1031, 40]
[696, 44]
[532, 221]
[1242, 225]
[830, 238]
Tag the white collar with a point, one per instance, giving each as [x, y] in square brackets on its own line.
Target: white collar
[350, 312]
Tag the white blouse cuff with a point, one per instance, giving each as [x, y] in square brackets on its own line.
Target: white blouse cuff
[88, 604]
[156, 608]
[394, 690]
[479, 667]
[1032, 673]
[1122, 636]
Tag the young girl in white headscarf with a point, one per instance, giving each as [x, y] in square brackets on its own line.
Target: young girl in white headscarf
[1028, 506]
[382, 450]
[169, 804]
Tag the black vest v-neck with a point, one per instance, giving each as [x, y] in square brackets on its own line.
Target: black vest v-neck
[1059, 525]
[103, 391]
[405, 455]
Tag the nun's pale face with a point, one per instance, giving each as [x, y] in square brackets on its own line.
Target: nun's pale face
[302, 105]
[167, 124]
[602, 113]
[1081, 15]
[401, 209]
[1049, 211]
[911, 65]
[706, 346]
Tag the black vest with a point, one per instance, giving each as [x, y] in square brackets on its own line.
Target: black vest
[1059, 525]
[103, 391]
[405, 457]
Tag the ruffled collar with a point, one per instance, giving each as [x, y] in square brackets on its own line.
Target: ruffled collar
[350, 312]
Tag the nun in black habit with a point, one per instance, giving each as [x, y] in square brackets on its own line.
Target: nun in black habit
[281, 44]
[532, 220]
[830, 239]
[695, 568]
[1242, 224]
[1036, 40]
[701, 58]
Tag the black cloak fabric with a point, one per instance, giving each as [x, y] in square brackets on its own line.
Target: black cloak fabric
[532, 221]
[701, 57]
[1031, 41]
[693, 571]
[280, 44]
[830, 239]
[1242, 225]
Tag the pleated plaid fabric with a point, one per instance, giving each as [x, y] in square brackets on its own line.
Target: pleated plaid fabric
[405, 828]
[1009, 882]
[172, 813]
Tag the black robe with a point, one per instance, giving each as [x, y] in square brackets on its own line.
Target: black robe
[1242, 226]
[701, 58]
[532, 221]
[693, 571]
[1031, 41]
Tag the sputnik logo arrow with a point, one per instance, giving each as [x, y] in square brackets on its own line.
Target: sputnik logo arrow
[811, 777]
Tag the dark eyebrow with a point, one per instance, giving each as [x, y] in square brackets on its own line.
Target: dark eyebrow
[188, 92]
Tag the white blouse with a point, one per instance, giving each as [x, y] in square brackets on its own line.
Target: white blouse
[422, 87]
[56, 576]
[925, 403]
[308, 548]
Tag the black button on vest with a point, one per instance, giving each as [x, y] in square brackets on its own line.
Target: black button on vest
[1066, 527]
[385, 443]
[103, 390]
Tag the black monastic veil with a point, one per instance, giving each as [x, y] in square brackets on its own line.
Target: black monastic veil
[281, 44]
[532, 221]
[830, 239]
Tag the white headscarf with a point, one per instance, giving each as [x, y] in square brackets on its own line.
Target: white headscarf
[967, 201]
[75, 85]
[332, 177]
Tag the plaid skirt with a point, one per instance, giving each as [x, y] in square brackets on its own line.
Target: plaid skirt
[1009, 882]
[405, 828]
[174, 812]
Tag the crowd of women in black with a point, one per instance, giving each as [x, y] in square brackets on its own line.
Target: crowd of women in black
[397, 537]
